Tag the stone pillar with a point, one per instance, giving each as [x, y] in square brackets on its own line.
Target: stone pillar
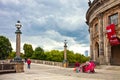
[65, 51]
[17, 58]
[18, 32]
[18, 43]
[91, 43]
[19, 67]
[65, 62]
[101, 41]
[108, 54]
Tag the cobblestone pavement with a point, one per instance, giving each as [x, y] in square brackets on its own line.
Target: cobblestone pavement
[45, 72]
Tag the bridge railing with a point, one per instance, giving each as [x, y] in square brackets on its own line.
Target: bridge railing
[48, 62]
[5, 67]
[8, 66]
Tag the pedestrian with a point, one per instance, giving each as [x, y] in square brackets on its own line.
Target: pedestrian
[77, 67]
[25, 60]
[28, 63]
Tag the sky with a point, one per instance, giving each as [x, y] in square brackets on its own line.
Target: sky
[46, 23]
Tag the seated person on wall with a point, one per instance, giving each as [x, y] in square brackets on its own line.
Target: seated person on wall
[88, 67]
[77, 67]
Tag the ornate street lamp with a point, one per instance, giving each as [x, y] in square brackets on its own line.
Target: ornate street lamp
[18, 32]
[65, 62]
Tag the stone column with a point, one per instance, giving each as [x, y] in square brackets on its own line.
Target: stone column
[19, 65]
[91, 43]
[18, 44]
[65, 62]
[17, 58]
[65, 51]
[108, 54]
[101, 41]
[18, 32]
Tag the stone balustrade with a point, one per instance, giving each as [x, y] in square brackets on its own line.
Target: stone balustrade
[7, 66]
[48, 62]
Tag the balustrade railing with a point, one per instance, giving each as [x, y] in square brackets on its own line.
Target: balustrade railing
[7, 67]
[48, 62]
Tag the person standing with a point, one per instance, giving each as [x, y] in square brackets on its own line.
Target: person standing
[77, 67]
[28, 63]
[25, 60]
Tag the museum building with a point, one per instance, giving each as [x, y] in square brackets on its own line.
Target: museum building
[103, 19]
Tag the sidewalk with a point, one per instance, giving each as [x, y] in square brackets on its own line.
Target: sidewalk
[45, 72]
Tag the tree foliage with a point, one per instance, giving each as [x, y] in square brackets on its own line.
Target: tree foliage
[81, 58]
[54, 55]
[38, 53]
[5, 47]
[22, 55]
[58, 56]
[71, 56]
[12, 55]
[28, 50]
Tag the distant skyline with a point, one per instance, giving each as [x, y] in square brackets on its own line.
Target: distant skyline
[46, 23]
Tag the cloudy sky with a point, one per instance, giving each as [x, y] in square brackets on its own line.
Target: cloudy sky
[46, 23]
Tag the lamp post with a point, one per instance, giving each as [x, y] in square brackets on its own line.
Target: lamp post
[18, 32]
[65, 54]
[65, 50]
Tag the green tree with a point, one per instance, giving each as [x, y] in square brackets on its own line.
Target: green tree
[22, 55]
[38, 53]
[48, 56]
[54, 55]
[58, 56]
[28, 50]
[12, 55]
[71, 56]
[5, 47]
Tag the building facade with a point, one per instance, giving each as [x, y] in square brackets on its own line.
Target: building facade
[100, 14]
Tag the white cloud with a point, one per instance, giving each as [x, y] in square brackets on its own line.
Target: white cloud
[5, 2]
[50, 40]
[78, 48]
[46, 23]
[70, 23]
[8, 13]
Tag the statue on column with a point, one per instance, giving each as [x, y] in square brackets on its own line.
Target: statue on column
[89, 3]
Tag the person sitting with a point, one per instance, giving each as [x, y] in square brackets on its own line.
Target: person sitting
[89, 68]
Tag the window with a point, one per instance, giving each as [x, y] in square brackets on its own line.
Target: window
[113, 19]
